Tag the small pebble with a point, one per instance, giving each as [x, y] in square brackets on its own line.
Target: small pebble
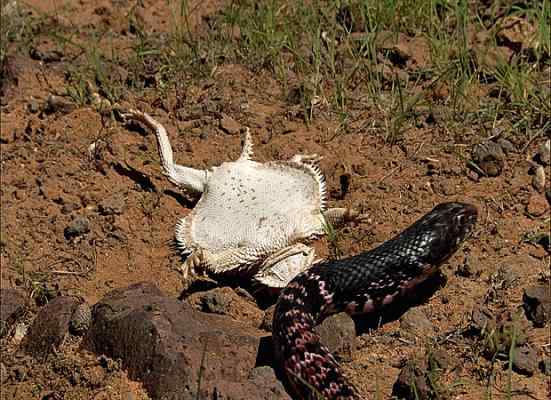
[537, 206]
[229, 125]
[33, 107]
[489, 157]
[20, 374]
[113, 205]
[506, 145]
[68, 208]
[77, 227]
[58, 103]
[525, 360]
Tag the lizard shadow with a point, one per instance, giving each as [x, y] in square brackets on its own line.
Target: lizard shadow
[392, 312]
[184, 201]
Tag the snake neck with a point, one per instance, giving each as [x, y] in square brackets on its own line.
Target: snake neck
[359, 284]
[310, 367]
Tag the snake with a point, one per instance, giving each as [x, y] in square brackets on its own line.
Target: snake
[360, 284]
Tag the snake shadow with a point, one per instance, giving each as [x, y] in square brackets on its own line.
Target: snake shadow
[418, 295]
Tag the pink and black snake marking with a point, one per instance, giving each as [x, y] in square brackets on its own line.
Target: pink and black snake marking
[359, 284]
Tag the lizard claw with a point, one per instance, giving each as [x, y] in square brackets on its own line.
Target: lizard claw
[192, 269]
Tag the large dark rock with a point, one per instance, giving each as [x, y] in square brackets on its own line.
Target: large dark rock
[537, 304]
[175, 350]
[265, 377]
[12, 306]
[50, 327]
[227, 301]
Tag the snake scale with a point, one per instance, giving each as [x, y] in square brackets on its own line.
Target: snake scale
[358, 285]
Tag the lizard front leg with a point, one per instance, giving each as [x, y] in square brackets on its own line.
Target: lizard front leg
[280, 268]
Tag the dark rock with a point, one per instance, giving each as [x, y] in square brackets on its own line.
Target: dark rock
[265, 378]
[545, 366]
[47, 56]
[499, 332]
[172, 348]
[537, 206]
[79, 226]
[58, 104]
[215, 301]
[338, 333]
[226, 301]
[414, 323]
[412, 381]
[50, 327]
[441, 359]
[20, 373]
[525, 360]
[482, 319]
[268, 320]
[33, 107]
[537, 304]
[229, 125]
[506, 146]
[68, 208]
[113, 205]
[12, 307]
[489, 157]
[345, 18]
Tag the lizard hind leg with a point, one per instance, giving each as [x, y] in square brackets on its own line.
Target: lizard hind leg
[185, 177]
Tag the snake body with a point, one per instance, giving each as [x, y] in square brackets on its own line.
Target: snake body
[358, 285]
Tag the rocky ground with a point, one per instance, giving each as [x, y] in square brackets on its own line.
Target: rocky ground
[91, 302]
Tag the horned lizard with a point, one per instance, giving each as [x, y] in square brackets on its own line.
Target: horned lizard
[252, 217]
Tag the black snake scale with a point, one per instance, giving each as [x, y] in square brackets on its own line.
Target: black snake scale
[359, 284]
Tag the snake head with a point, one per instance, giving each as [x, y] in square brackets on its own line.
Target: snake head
[448, 225]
